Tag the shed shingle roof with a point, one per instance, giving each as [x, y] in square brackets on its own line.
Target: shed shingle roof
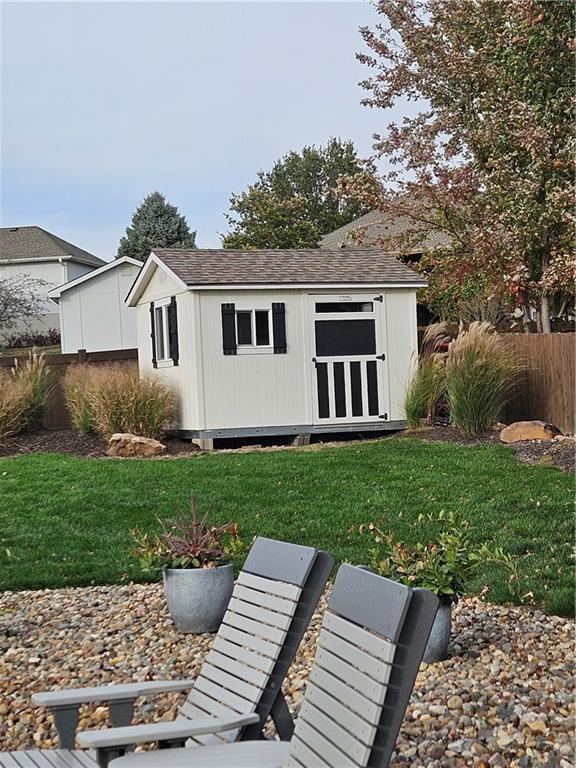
[32, 243]
[275, 267]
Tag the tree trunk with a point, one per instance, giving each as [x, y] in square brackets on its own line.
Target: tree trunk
[545, 313]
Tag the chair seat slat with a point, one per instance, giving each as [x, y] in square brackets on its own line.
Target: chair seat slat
[359, 704]
[256, 660]
[356, 749]
[280, 588]
[356, 657]
[249, 640]
[257, 613]
[378, 646]
[229, 682]
[372, 689]
[273, 602]
[238, 669]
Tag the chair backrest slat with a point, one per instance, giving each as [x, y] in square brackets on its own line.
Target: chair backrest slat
[266, 600]
[363, 672]
[256, 612]
[258, 661]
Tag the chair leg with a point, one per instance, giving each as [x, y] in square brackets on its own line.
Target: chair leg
[282, 718]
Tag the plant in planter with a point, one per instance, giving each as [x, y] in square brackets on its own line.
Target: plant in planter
[445, 566]
[195, 559]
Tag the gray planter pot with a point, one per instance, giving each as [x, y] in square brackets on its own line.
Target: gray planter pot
[437, 648]
[197, 598]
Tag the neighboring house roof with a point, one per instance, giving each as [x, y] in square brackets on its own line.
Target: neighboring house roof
[29, 244]
[205, 268]
[55, 292]
[372, 227]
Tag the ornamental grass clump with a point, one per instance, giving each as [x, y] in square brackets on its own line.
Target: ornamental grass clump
[480, 378]
[114, 398]
[427, 387]
[24, 395]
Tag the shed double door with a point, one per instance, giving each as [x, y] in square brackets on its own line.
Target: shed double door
[350, 366]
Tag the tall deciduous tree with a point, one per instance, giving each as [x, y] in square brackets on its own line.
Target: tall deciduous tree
[294, 204]
[22, 299]
[489, 158]
[155, 224]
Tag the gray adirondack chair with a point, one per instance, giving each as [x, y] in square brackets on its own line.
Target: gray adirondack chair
[239, 685]
[370, 647]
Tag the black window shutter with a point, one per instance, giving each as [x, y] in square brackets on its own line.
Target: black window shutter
[153, 335]
[229, 329]
[173, 329]
[279, 327]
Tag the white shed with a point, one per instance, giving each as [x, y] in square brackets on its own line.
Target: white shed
[278, 342]
[93, 314]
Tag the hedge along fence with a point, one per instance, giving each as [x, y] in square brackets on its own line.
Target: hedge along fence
[57, 416]
[546, 390]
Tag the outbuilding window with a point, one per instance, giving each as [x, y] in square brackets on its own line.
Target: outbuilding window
[164, 331]
[245, 329]
[253, 327]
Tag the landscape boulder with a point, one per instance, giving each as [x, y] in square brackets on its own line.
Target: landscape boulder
[528, 430]
[125, 445]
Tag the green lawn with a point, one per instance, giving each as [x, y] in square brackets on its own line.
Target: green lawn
[66, 520]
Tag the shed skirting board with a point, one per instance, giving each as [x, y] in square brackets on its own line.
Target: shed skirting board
[302, 429]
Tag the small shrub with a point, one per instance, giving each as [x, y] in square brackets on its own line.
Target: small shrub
[188, 541]
[109, 399]
[480, 377]
[33, 376]
[49, 338]
[445, 565]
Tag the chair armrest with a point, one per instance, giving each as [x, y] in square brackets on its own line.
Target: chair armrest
[71, 696]
[166, 730]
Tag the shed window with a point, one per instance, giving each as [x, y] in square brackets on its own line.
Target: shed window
[253, 328]
[161, 329]
[344, 306]
[164, 331]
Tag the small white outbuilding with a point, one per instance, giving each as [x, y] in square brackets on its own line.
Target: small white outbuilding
[93, 314]
[278, 342]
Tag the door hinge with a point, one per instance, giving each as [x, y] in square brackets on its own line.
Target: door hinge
[383, 416]
[378, 298]
[380, 357]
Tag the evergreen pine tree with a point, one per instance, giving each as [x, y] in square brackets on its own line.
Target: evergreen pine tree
[155, 224]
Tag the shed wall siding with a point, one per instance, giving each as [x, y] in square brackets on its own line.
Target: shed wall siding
[255, 388]
[402, 343]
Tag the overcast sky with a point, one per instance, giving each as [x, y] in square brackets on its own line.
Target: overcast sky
[102, 103]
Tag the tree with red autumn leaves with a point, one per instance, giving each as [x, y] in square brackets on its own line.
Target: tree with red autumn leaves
[488, 159]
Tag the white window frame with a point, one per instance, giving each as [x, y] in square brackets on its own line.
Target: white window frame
[254, 347]
[161, 307]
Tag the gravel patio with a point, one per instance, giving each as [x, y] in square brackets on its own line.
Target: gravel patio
[505, 697]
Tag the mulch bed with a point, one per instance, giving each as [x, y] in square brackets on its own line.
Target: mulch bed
[75, 443]
[556, 453]
[560, 453]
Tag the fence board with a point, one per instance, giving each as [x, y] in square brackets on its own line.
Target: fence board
[547, 389]
[57, 416]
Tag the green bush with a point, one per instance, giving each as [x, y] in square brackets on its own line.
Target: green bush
[110, 399]
[425, 390]
[480, 377]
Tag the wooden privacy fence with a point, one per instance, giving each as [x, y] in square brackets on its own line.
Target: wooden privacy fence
[547, 388]
[57, 416]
